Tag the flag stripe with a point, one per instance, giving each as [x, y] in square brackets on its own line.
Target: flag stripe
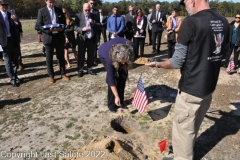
[140, 100]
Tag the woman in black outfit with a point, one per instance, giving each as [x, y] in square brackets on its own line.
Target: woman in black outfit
[139, 26]
[234, 40]
[70, 38]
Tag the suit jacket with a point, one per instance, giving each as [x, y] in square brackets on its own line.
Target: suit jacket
[3, 31]
[44, 18]
[143, 26]
[104, 20]
[168, 26]
[80, 23]
[149, 24]
[129, 22]
[158, 26]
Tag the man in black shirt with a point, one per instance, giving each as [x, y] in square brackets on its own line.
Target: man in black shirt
[202, 41]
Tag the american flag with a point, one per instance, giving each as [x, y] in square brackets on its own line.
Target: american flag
[140, 100]
[231, 66]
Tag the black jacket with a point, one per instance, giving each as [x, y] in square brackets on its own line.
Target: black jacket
[231, 32]
[143, 26]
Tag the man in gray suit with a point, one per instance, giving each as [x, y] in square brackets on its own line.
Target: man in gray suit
[129, 23]
[149, 27]
[9, 43]
[86, 27]
[53, 38]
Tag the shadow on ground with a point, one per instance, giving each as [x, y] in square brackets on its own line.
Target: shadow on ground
[227, 124]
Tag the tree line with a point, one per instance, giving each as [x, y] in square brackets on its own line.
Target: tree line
[29, 8]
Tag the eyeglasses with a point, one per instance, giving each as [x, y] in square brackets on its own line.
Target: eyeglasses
[87, 10]
[4, 4]
[237, 17]
[91, 3]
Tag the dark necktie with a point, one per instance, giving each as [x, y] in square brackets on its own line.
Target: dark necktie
[115, 23]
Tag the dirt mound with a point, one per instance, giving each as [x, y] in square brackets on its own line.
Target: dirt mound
[112, 148]
[142, 60]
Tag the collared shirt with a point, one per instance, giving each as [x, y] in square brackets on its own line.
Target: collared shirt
[158, 15]
[115, 23]
[101, 18]
[52, 15]
[5, 18]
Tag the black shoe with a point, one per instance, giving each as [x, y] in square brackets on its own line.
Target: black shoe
[80, 74]
[91, 72]
[44, 54]
[153, 52]
[18, 80]
[158, 51]
[112, 109]
[14, 83]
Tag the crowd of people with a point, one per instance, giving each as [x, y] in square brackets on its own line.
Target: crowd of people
[196, 45]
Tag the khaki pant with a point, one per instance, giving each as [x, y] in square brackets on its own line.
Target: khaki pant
[189, 112]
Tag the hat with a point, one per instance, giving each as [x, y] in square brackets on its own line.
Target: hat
[3, 2]
[181, 2]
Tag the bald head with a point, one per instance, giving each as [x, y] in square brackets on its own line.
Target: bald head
[86, 8]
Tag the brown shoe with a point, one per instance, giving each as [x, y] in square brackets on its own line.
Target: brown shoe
[51, 80]
[66, 78]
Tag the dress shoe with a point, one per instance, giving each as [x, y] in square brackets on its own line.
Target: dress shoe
[18, 80]
[91, 72]
[153, 52]
[95, 63]
[44, 54]
[158, 51]
[14, 83]
[113, 109]
[80, 74]
[66, 78]
[51, 80]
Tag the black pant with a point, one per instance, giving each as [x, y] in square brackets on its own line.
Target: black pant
[103, 32]
[59, 53]
[150, 36]
[121, 78]
[139, 42]
[171, 48]
[90, 46]
[157, 35]
[236, 55]
[20, 54]
[10, 55]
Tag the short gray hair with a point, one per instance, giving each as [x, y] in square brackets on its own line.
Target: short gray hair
[119, 52]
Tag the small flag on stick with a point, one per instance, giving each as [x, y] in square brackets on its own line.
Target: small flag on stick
[140, 100]
[231, 66]
[162, 145]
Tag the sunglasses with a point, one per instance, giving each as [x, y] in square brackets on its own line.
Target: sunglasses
[4, 4]
[237, 17]
[91, 3]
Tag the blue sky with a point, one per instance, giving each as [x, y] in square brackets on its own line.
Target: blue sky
[166, 0]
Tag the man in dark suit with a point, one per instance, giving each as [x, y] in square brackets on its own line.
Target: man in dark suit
[86, 27]
[9, 43]
[96, 13]
[129, 23]
[158, 19]
[103, 28]
[53, 38]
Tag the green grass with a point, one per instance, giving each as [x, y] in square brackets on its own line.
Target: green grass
[69, 125]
